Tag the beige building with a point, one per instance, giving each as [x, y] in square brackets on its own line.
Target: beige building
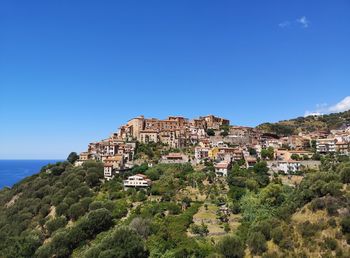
[147, 136]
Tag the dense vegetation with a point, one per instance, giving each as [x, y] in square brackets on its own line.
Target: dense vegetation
[67, 211]
[308, 124]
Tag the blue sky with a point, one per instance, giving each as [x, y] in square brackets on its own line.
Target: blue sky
[71, 72]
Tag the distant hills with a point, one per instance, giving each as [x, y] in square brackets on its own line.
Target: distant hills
[308, 124]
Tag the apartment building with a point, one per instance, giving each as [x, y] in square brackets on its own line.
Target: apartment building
[222, 168]
[325, 146]
[137, 181]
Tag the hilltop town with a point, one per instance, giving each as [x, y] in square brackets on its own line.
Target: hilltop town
[183, 187]
[212, 138]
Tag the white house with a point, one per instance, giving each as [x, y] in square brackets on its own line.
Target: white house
[288, 166]
[222, 168]
[108, 171]
[325, 146]
[138, 180]
[201, 153]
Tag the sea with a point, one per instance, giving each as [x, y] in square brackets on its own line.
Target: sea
[13, 171]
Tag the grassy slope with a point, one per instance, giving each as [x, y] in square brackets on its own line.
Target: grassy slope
[307, 124]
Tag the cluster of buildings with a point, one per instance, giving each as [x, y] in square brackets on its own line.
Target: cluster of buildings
[337, 141]
[175, 131]
[212, 138]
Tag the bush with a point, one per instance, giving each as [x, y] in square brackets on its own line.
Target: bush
[95, 205]
[277, 235]
[122, 243]
[345, 225]
[317, 204]
[330, 243]
[62, 208]
[257, 243]
[236, 208]
[54, 224]
[141, 226]
[345, 175]
[173, 208]
[97, 221]
[231, 247]
[201, 230]
[307, 229]
[264, 227]
[75, 211]
[92, 179]
[332, 222]
[210, 132]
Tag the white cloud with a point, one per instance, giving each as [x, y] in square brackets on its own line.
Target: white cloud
[342, 106]
[284, 24]
[321, 109]
[303, 21]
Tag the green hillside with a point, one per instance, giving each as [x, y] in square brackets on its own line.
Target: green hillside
[308, 124]
[67, 211]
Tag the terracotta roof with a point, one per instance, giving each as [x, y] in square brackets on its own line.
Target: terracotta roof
[222, 165]
[142, 175]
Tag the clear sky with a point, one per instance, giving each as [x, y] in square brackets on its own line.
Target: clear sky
[71, 71]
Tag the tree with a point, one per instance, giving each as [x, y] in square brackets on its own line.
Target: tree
[231, 247]
[75, 211]
[272, 194]
[210, 132]
[141, 226]
[345, 225]
[295, 156]
[277, 235]
[261, 168]
[201, 229]
[92, 179]
[54, 224]
[62, 208]
[252, 151]
[267, 153]
[257, 243]
[97, 221]
[123, 243]
[72, 157]
[345, 175]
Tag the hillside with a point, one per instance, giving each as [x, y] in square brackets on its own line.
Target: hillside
[308, 124]
[67, 211]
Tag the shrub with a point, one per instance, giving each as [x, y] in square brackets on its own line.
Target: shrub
[345, 225]
[62, 208]
[332, 222]
[317, 204]
[54, 224]
[201, 230]
[210, 132]
[75, 211]
[330, 243]
[97, 221]
[236, 208]
[123, 243]
[307, 229]
[264, 227]
[95, 205]
[231, 247]
[277, 235]
[141, 226]
[257, 243]
[345, 175]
